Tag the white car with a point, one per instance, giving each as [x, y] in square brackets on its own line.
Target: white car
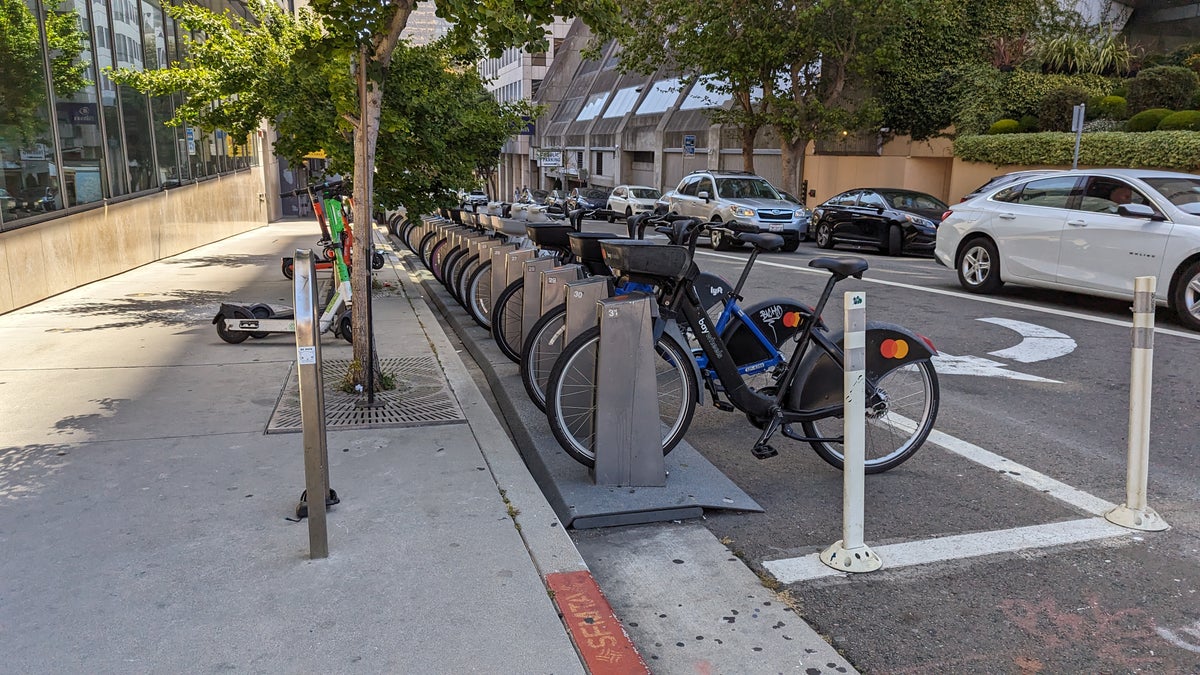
[630, 200]
[1086, 231]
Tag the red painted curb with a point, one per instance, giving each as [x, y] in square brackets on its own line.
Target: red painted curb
[598, 635]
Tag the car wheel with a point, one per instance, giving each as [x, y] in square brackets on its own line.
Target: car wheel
[824, 235]
[717, 238]
[611, 217]
[895, 240]
[790, 245]
[979, 266]
[1185, 299]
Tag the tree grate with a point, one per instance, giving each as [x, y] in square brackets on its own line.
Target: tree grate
[421, 398]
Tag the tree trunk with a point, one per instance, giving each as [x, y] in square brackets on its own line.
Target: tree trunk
[365, 139]
[792, 161]
[748, 134]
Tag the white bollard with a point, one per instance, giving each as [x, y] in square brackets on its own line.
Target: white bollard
[850, 554]
[1134, 514]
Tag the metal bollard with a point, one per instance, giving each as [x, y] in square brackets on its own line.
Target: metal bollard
[1135, 514]
[628, 443]
[850, 554]
[312, 402]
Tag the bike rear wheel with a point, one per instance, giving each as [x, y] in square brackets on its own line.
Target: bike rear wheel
[479, 295]
[571, 394]
[900, 414]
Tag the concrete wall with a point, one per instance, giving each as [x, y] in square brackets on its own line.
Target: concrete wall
[45, 259]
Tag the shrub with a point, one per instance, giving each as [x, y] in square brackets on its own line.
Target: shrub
[1029, 124]
[1023, 91]
[1110, 107]
[1162, 87]
[1173, 150]
[1103, 124]
[1184, 120]
[1148, 120]
[1005, 127]
[1057, 108]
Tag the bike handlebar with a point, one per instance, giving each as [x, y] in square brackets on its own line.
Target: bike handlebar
[329, 186]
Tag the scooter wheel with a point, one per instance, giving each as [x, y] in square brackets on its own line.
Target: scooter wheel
[345, 330]
[233, 337]
[289, 268]
[376, 260]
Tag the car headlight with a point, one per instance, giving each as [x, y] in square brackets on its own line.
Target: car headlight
[918, 220]
[743, 212]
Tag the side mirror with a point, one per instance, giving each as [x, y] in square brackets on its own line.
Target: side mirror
[880, 210]
[1139, 211]
[703, 194]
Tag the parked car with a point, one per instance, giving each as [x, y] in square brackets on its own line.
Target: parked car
[799, 204]
[1002, 180]
[892, 220]
[8, 203]
[476, 198]
[736, 199]
[39, 199]
[628, 200]
[589, 199]
[1087, 231]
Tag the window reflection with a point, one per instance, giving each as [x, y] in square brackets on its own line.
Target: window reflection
[78, 118]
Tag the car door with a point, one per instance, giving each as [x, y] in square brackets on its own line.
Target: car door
[1027, 222]
[685, 199]
[867, 221]
[616, 201]
[840, 215]
[1103, 251]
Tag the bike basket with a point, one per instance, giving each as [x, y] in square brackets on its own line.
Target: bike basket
[549, 235]
[647, 259]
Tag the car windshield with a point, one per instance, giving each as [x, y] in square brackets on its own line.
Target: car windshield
[1182, 192]
[905, 200]
[746, 188]
[595, 194]
[645, 193]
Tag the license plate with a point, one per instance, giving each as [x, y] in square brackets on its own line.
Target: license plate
[777, 227]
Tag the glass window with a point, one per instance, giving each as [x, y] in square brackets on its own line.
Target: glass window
[622, 102]
[1051, 192]
[706, 185]
[703, 95]
[689, 186]
[592, 108]
[845, 199]
[1103, 195]
[77, 115]
[1183, 192]
[870, 199]
[646, 193]
[661, 97]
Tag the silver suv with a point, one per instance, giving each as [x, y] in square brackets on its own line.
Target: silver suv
[738, 200]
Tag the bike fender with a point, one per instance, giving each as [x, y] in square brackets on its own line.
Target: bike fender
[711, 289]
[672, 328]
[778, 319]
[888, 347]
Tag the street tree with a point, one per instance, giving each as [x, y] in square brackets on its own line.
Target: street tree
[325, 75]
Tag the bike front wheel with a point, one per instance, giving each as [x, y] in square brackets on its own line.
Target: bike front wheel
[571, 394]
[901, 410]
[540, 351]
[506, 320]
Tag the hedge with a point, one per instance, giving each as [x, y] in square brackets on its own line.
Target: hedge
[1173, 150]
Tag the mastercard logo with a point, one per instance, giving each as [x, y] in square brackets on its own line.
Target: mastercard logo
[791, 319]
[893, 349]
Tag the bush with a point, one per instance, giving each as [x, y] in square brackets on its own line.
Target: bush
[1148, 120]
[1005, 127]
[1109, 107]
[1029, 124]
[1023, 91]
[1172, 150]
[1184, 120]
[1162, 87]
[1057, 108]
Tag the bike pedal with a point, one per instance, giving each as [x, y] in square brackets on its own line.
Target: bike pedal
[723, 406]
[763, 451]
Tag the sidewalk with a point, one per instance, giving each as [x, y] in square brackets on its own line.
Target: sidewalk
[144, 513]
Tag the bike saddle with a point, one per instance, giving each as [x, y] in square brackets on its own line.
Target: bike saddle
[764, 241]
[842, 267]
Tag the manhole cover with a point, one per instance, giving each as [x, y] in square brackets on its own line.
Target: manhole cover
[421, 398]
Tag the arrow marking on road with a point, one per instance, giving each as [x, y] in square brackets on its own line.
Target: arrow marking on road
[1039, 343]
[948, 364]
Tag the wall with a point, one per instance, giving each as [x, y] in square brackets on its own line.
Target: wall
[45, 259]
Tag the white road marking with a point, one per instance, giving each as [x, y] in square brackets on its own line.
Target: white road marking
[792, 570]
[1175, 639]
[967, 296]
[1039, 343]
[948, 364]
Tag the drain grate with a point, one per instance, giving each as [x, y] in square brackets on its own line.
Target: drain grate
[421, 398]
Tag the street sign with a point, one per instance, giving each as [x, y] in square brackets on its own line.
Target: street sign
[689, 145]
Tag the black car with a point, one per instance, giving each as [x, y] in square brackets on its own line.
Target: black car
[588, 199]
[894, 221]
[1003, 179]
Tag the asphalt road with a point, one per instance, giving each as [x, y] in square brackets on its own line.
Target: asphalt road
[1036, 383]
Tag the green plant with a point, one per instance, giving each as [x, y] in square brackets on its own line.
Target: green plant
[1022, 91]
[1029, 124]
[1109, 107]
[1174, 150]
[1005, 127]
[1162, 87]
[1184, 120]
[1056, 109]
[1069, 52]
[1148, 120]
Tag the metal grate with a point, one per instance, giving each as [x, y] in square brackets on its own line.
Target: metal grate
[421, 398]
